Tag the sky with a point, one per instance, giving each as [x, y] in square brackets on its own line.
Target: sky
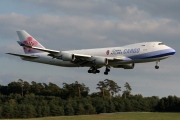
[80, 24]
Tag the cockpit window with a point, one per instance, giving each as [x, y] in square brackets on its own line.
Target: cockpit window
[161, 44]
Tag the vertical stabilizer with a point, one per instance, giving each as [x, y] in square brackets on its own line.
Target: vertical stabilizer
[27, 39]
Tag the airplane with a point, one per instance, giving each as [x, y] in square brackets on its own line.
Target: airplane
[112, 57]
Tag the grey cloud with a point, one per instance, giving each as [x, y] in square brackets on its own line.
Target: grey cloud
[52, 29]
[9, 49]
[101, 9]
[156, 8]
[7, 78]
[114, 8]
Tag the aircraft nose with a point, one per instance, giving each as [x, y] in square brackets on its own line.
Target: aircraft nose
[172, 51]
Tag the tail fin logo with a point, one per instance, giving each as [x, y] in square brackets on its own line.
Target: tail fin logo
[107, 52]
[30, 42]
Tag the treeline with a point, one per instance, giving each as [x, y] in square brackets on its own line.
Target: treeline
[23, 100]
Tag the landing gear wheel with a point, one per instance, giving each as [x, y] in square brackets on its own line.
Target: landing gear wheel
[156, 67]
[89, 71]
[108, 70]
[94, 71]
[106, 73]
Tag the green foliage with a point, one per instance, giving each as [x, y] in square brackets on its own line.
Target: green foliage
[127, 92]
[89, 109]
[108, 88]
[23, 100]
[68, 109]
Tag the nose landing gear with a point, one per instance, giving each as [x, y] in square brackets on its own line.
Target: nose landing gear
[157, 67]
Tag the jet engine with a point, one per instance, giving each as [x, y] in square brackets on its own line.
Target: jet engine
[67, 57]
[125, 66]
[100, 61]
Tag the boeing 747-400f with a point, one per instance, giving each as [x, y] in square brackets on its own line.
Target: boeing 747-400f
[118, 57]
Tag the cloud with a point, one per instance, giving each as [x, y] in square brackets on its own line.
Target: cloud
[9, 48]
[53, 29]
[106, 9]
[129, 10]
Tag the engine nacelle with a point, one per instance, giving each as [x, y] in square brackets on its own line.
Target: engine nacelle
[100, 61]
[126, 66]
[67, 57]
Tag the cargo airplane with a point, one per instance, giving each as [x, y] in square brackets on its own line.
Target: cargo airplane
[112, 57]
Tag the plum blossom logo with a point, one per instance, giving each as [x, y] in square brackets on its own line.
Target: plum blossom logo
[30, 42]
[107, 52]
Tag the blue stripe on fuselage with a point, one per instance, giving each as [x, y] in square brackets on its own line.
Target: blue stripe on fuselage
[155, 54]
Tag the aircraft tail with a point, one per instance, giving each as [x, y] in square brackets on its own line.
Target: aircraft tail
[27, 39]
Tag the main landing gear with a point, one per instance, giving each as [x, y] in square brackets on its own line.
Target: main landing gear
[157, 67]
[107, 70]
[95, 70]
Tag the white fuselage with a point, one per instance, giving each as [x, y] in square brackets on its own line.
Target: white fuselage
[134, 53]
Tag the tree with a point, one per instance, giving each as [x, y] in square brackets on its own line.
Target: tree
[127, 91]
[68, 109]
[102, 86]
[75, 90]
[31, 111]
[22, 111]
[112, 87]
[21, 82]
[128, 106]
[56, 110]
[36, 88]
[89, 109]
[79, 110]
[45, 110]
[51, 89]
[14, 87]
[98, 104]
[108, 85]
[26, 88]
[7, 111]
[110, 106]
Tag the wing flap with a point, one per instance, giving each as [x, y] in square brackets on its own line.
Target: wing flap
[118, 58]
[82, 56]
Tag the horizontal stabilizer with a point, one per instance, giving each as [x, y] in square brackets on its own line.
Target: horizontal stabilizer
[22, 55]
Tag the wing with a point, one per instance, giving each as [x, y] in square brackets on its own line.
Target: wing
[53, 53]
[22, 55]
